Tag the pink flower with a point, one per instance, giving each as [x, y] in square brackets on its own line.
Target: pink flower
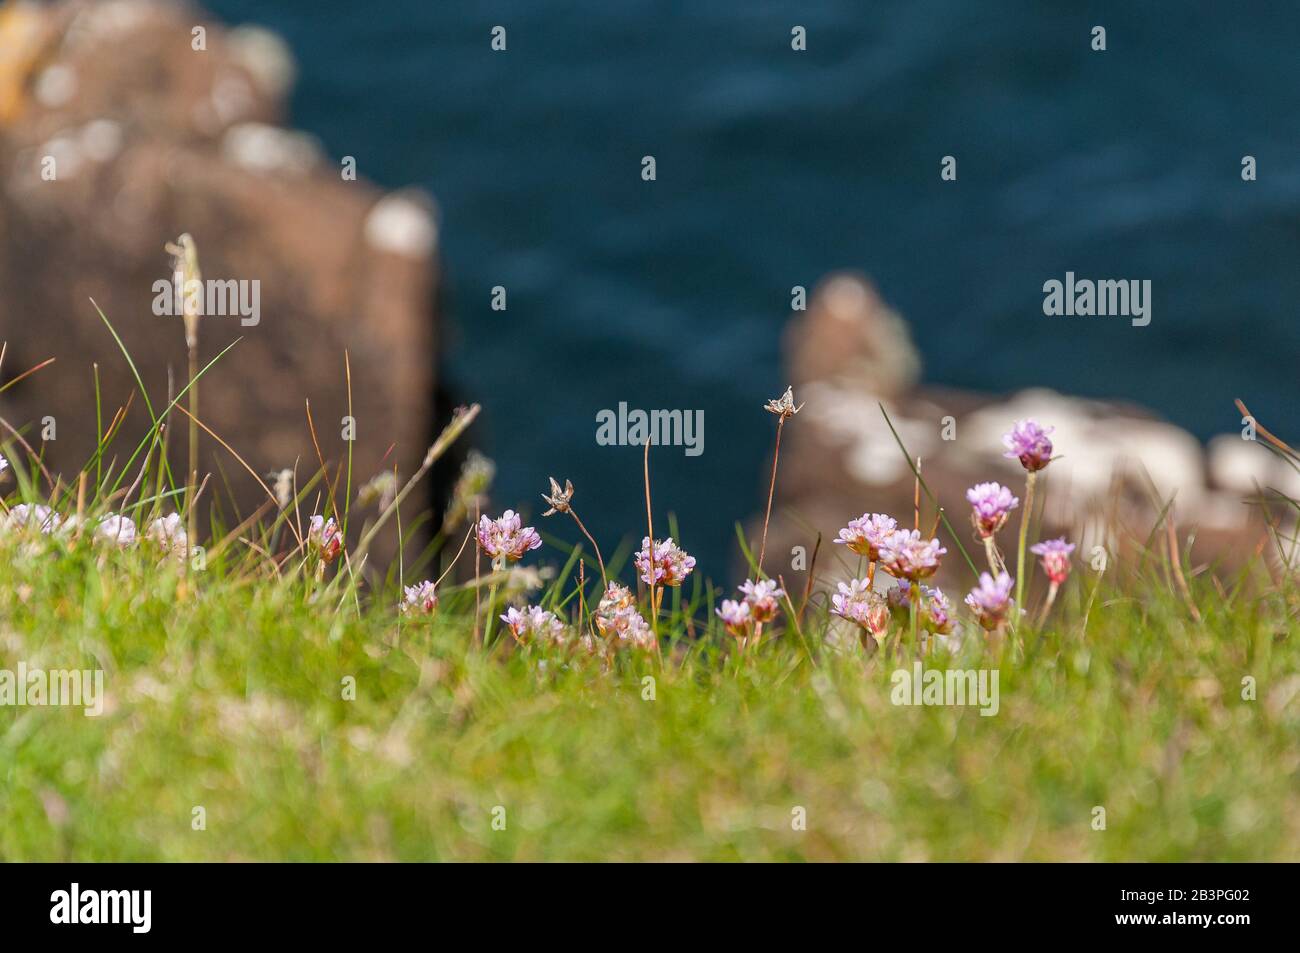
[1029, 443]
[936, 611]
[618, 618]
[761, 597]
[735, 616]
[990, 504]
[422, 597]
[533, 623]
[991, 600]
[860, 605]
[867, 533]
[906, 554]
[324, 537]
[669, 566]
[1056, 558]
[506, 538]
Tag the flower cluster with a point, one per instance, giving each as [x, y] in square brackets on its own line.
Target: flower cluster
[1029, 443]
[534, 624]
[936, 611]
[906, 554]
[324, 538]
[668, 565]
[116, 530]
[866, 534]
[168, 533]
[758, 606]
[990, 505]
[1055, 554]
[857, 602]
[991, 600]
[506, 538]
[34, 516]
[617, 618]
[420, 598]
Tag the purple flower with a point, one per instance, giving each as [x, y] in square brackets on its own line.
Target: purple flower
[991, 600]
[533, 623]
[1056, 558]
[936, 612]
[669, 566]
[761, 597]
[906, 554]
[990, 504]
[865, 534]
[506, 538]
[323, 536]
[860, 605]
[422, 597]
[735, 616]
[1028, 443]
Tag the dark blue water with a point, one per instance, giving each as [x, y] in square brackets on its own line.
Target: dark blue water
[775, 167]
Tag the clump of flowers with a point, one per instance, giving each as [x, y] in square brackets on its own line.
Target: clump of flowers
[906, 554]
[758, 606]
[991, 503]
[507, 538]
[34, 516]
[1028, 442]
[936, 611]
[857, 602]
[325, 538]
[420, 598]
[1055, 555]
[866, 534]
[991, 600]
[736, 617]
[617, 618]
[168, 532]
[762, 596]
[668, 565]
[534, 624]
[116, 529]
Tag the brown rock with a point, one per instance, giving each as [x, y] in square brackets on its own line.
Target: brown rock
[165, 140]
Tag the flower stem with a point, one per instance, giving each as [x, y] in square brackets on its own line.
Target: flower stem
[1051, 598]
[994, 557]
[916, 616]
[771, 489]
[1020, 552]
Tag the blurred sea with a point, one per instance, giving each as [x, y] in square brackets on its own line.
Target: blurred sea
[775, 167]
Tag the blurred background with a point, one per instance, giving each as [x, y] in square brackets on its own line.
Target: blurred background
[776, 167]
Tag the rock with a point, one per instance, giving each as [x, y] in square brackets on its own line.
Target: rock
[148, 138]
[850, 354]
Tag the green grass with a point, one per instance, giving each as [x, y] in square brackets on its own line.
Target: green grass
[225, 693]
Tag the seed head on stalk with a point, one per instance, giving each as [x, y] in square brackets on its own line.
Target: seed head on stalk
[187, 277]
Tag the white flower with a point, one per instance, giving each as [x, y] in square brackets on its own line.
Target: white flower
[34, 516]
[169, 533]
[117, 529]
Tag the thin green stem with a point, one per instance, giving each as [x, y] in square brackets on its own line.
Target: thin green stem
[1030, 479]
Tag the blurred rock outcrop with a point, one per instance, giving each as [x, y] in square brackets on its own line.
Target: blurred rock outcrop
[125, 123]
[849, 353]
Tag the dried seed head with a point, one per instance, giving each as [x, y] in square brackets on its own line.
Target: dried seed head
[559, 500]
[783, 406]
